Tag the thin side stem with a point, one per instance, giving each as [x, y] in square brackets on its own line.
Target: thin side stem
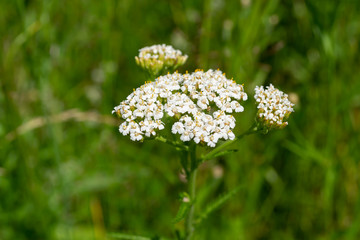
[217, 150]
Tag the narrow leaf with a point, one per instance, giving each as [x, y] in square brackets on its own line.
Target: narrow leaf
[218, 154]
[225, 152]
[217, 203]
[182, 212]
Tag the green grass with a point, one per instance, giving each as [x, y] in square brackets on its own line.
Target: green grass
[66, 175]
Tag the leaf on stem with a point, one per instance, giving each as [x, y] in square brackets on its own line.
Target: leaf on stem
[225, 152]
[184, 207]
[218, 154]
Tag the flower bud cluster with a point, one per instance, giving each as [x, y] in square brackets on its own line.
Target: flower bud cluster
[273, 106]
[199, 103]
[157, 58]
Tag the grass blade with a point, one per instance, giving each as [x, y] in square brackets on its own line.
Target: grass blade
[127, 236]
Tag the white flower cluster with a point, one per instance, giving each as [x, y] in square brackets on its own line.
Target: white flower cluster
[142, 113]
[158, 51]
[159, 58]
[273, 106]
[198, 102]
[205, 128]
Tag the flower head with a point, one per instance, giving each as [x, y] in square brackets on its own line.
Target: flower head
[199, 103]
[159, 58]
[273, 106]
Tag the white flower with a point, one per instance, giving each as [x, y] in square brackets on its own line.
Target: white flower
[136, 136]
[178, 127]
[159, 124]
[231, 135]
[186, 136]
[124, 128]
[213, 140]
[203, 102]
[236, 106]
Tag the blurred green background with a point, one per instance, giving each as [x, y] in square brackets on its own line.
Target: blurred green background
[66, 172]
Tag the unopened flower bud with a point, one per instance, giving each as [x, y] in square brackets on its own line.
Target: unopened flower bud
[158, 59]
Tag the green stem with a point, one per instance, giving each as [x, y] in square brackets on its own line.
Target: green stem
[217, 150]
[192, 191]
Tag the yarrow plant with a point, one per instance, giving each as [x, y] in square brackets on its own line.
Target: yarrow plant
[198, 108]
